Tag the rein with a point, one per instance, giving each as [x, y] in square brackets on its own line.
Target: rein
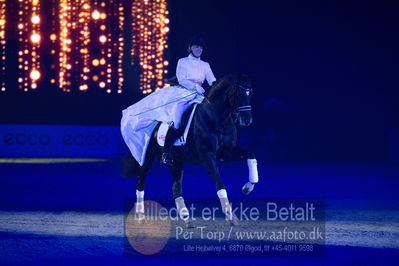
[160, 106]
[235, 110]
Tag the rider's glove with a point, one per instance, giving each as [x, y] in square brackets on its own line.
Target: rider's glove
[199, 89]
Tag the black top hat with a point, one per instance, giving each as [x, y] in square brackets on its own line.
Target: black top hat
[197, 40]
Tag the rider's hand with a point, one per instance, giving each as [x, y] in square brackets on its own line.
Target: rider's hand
[199, 89]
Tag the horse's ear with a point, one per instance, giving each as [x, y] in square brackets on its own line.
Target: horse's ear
[239, 76]
[244, 78]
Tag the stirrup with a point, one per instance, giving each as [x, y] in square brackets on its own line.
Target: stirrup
[167, 158]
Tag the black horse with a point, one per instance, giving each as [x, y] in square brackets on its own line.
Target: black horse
[212, 137]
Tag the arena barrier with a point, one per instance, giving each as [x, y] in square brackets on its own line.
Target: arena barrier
[56, 141]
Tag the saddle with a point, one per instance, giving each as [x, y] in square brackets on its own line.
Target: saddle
[184, 128]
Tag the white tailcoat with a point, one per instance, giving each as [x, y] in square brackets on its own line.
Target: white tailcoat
[164, 105]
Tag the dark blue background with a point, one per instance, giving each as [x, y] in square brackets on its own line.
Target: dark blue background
[325, 84]
[330, 65]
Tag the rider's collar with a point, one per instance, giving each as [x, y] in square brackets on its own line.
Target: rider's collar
[193, 57]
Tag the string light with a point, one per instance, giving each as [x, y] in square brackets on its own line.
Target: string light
[29, 42]
[82, 44]
[150, 28]
[3, 43]
[120, 47]
[87, 43]
[74, 21]
[103, 40]
[54, 45]
[65, 50]
[36, 40]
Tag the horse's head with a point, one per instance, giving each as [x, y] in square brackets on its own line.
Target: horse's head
[239, 98]
[234, 92]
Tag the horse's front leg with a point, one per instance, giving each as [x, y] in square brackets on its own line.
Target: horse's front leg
[177, 174]
[236, 154]
[213, 171]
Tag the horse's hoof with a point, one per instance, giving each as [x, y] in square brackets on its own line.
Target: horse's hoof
[189, 224]
[233, 222]
[139, 217]
[247, 188]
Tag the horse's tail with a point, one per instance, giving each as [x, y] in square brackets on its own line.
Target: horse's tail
[130, 167]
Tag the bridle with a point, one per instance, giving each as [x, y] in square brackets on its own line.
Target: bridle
[242, 108]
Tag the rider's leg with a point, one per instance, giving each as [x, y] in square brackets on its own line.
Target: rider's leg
[170, 138]
[173, 132]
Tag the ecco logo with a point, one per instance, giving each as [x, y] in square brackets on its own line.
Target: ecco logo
[89, 140]
[29, 139]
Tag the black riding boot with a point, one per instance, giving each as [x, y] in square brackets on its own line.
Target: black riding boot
[170, 138]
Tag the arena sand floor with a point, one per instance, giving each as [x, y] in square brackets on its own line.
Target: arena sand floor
[72, 211]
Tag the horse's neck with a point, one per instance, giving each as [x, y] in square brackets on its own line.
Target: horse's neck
[217, 114]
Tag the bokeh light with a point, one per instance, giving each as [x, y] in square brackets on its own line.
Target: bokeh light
[3, 44]
[35, 38]
[29, 36]
[35, 75]
[150, 30]
[96, 15]
[35, 19]
[103, 39]
[86, 43]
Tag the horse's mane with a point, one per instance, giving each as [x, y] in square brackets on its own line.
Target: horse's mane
[223, 86]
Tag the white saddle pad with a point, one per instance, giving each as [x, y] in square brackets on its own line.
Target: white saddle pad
[163, 130]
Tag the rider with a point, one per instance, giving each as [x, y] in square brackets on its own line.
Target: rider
[191, 72]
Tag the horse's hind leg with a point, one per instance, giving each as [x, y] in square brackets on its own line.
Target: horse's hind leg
[177, 172]
[141, 180]
[139, 206]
